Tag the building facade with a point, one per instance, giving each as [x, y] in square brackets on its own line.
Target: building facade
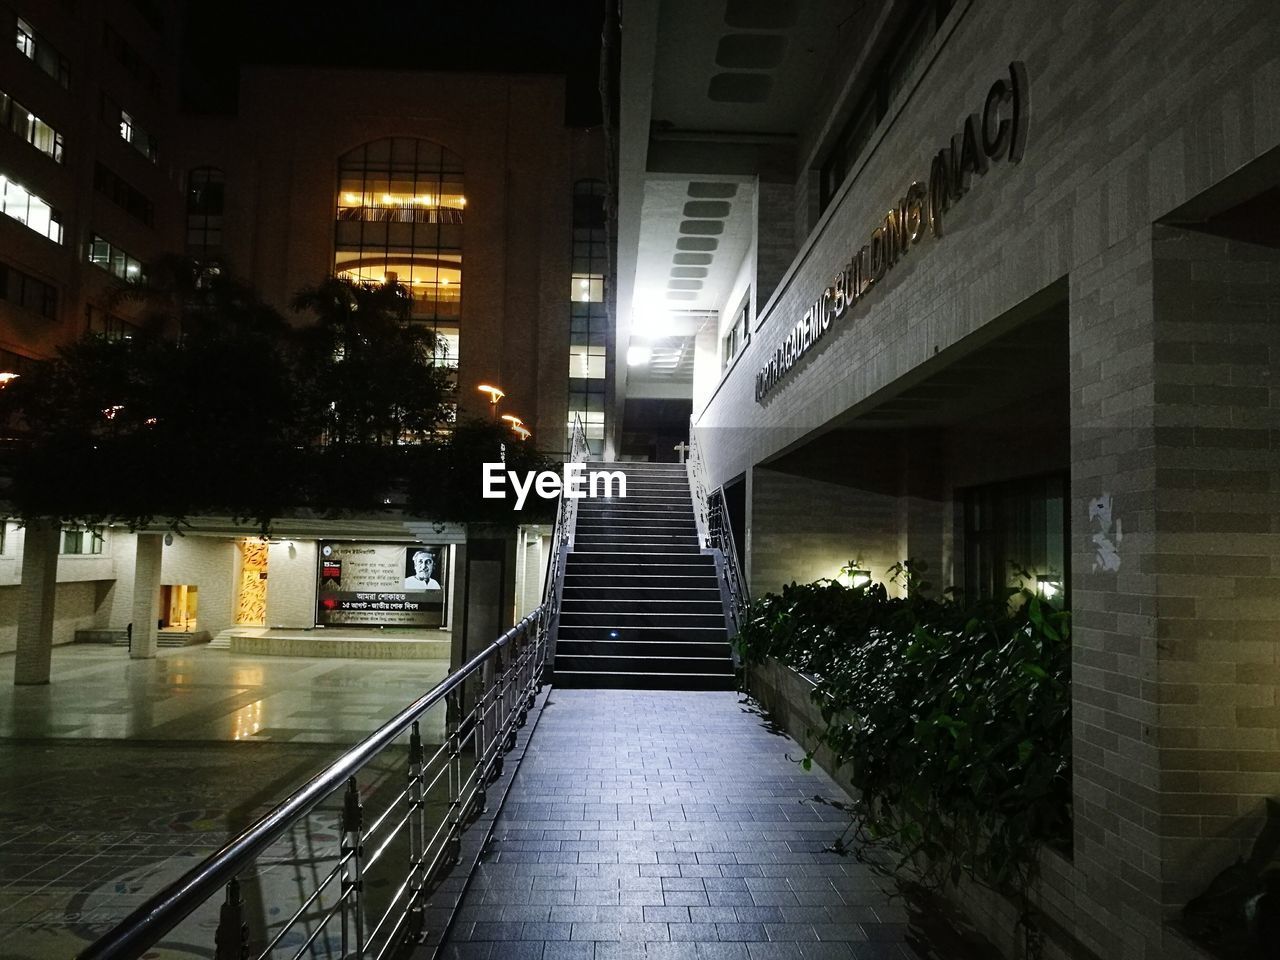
[992, 286]
[468, 190]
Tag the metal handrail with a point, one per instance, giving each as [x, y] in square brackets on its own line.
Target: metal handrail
[562, 535]
[721, 535]
[505, 695]
[715, 530]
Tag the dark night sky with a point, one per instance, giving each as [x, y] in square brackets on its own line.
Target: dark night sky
[525, 36]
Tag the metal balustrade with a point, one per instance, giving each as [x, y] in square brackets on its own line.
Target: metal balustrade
[393, 808]
[716, 532]
[343, 868]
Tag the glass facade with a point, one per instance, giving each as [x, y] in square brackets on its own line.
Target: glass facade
[399, 219]
[588, 315]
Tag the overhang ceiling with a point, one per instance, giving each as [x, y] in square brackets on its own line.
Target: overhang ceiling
[712, 96]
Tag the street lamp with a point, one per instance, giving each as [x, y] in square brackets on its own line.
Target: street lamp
[517, 426]
[495, 394]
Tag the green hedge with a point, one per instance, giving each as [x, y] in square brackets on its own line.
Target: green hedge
[953, 717]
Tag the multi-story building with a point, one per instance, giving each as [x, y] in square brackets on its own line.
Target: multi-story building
[91, 170]
[468, 189]
[994, 285]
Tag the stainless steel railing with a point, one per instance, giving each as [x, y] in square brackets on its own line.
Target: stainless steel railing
[562, 537]
[715, 530]
[374, 843]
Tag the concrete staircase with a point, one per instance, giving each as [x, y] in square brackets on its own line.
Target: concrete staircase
[641, 603]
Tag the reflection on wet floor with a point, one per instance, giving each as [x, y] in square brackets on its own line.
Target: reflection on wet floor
[120, 775]
[194, 693]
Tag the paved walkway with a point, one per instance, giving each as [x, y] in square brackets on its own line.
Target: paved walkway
[670, 825]
[122, 774]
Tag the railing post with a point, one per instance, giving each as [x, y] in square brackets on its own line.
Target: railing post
[454, 840]
[352, 881]
[499, 714]
[417, 832]
[231, 939]
[479, 740]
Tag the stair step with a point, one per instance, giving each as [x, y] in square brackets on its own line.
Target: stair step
[621, 593]
[620, 605]
[603, 664]
[614, 620]
[643, 633]
[635, 648]
[645, 681]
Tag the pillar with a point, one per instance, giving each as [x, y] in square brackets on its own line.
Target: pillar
[487, 571]
[37, 596]
[146, 595]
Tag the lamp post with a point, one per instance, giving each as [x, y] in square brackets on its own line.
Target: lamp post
[495, 394]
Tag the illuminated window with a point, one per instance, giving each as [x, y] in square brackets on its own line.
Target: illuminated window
[104, 254]
[400, 205]
[34, 213]
[588, 317]
[131, 132]
[586, 362]
[587, 288]
[38, 50]
[21, 121]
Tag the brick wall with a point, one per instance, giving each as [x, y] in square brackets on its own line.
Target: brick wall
[1175, 716]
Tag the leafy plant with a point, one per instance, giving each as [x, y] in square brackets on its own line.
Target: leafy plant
[953, 716]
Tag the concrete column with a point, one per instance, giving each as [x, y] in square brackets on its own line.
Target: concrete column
[146, 595]
[37, 596]
[1175, 607]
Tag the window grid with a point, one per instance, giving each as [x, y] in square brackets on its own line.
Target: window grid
[33, 212]
[20, 121]
[28, 292]
[123, 194]
[889, 76]
[206, 196]
[398, 217]
[588, 316]
[130, 131]
[108, 325]
[104, 254]
[42, 53]
[134, 65]
[82, 541]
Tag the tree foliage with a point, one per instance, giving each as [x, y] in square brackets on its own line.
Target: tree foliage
[238, 413]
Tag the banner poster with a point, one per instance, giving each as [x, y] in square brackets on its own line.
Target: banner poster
[381, 584]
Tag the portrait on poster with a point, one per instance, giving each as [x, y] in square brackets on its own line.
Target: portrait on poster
[381, 584]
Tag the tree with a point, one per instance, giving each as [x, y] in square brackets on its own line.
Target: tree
[372, 378]
[132, 429]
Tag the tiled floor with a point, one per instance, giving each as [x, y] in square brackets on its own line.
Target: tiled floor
[671, 825]
[120, 775]
[194, 693]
